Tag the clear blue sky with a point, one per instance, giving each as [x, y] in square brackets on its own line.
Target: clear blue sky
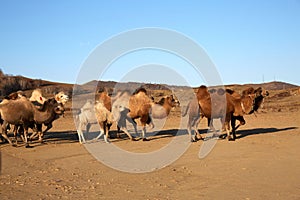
[247, 40]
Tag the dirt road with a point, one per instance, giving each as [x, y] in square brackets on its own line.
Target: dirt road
[263, 163]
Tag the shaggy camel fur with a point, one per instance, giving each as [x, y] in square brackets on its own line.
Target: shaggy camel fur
[21, 112]
[38, 100]
[163, 108]
[142, 106]
[17, 112]
[118, 105]
[139, 107]
[194, 117]
[232, 110]
[86, 118]
[120, 110]
[104, 118]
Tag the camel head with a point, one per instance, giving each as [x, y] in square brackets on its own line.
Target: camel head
[173, 100]
[61, 97]
[15, 95]
[169, 100]
[260, 94]
[58, 107]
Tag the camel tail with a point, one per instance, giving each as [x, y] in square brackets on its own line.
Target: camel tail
[186, 110]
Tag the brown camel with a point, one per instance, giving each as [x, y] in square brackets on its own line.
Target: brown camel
[139, 107]
[163, 108]
[236, 106]
[21, 112]
[86, 118]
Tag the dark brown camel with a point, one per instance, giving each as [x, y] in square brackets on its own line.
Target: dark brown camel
[21, 112]
[236, 107]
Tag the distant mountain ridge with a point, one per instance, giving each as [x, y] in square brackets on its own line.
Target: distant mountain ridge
[10, 83]
[274, 85]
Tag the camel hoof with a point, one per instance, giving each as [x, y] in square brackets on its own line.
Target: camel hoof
[28, 146]
[231, 139]
[14, 145]
[222, 136]
[145, 139]
[42, 142]
[197, 139]
[133, 139]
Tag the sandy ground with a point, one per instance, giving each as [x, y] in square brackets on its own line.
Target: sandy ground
[263, 163]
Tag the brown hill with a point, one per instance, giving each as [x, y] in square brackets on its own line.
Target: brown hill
[10, 83]
[274, 85]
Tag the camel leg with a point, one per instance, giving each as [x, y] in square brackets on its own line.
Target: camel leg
[34, 129]
[241, 120]
[122, 126]
[4, 134]
[49, 126]
[134, 126]
[227, 126]
[118, 131]
[210, 124]
[106, 130]
[40, 132]
[100, 134]
[233, 121]
[16, 134]
[189, 130]
[195, 126]
[124, 129]
[144, 133]
[131, 120]
[150, 122]
[80, 136]
[88, 127]
[25, 137]
[144, 119]
[193, 123]
[228, 131]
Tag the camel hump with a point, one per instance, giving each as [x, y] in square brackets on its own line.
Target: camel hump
[203, 87]
[229, 91]
[248, 91]
[140, 90]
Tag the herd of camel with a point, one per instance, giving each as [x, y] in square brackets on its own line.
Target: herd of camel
[226, 105]
[19, 113]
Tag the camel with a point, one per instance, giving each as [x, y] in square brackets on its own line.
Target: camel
[38, 100]
[139, 107]
[120, 110]
[105, 120]
[163, 108]
[236, 106]
[86, 118]
[142, 106]
[21, 112]
[127, 106]
[194, 117]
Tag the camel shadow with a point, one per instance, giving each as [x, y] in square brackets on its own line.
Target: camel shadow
[167, 133]
[61, 137]
[151, 135]
[248, 132]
